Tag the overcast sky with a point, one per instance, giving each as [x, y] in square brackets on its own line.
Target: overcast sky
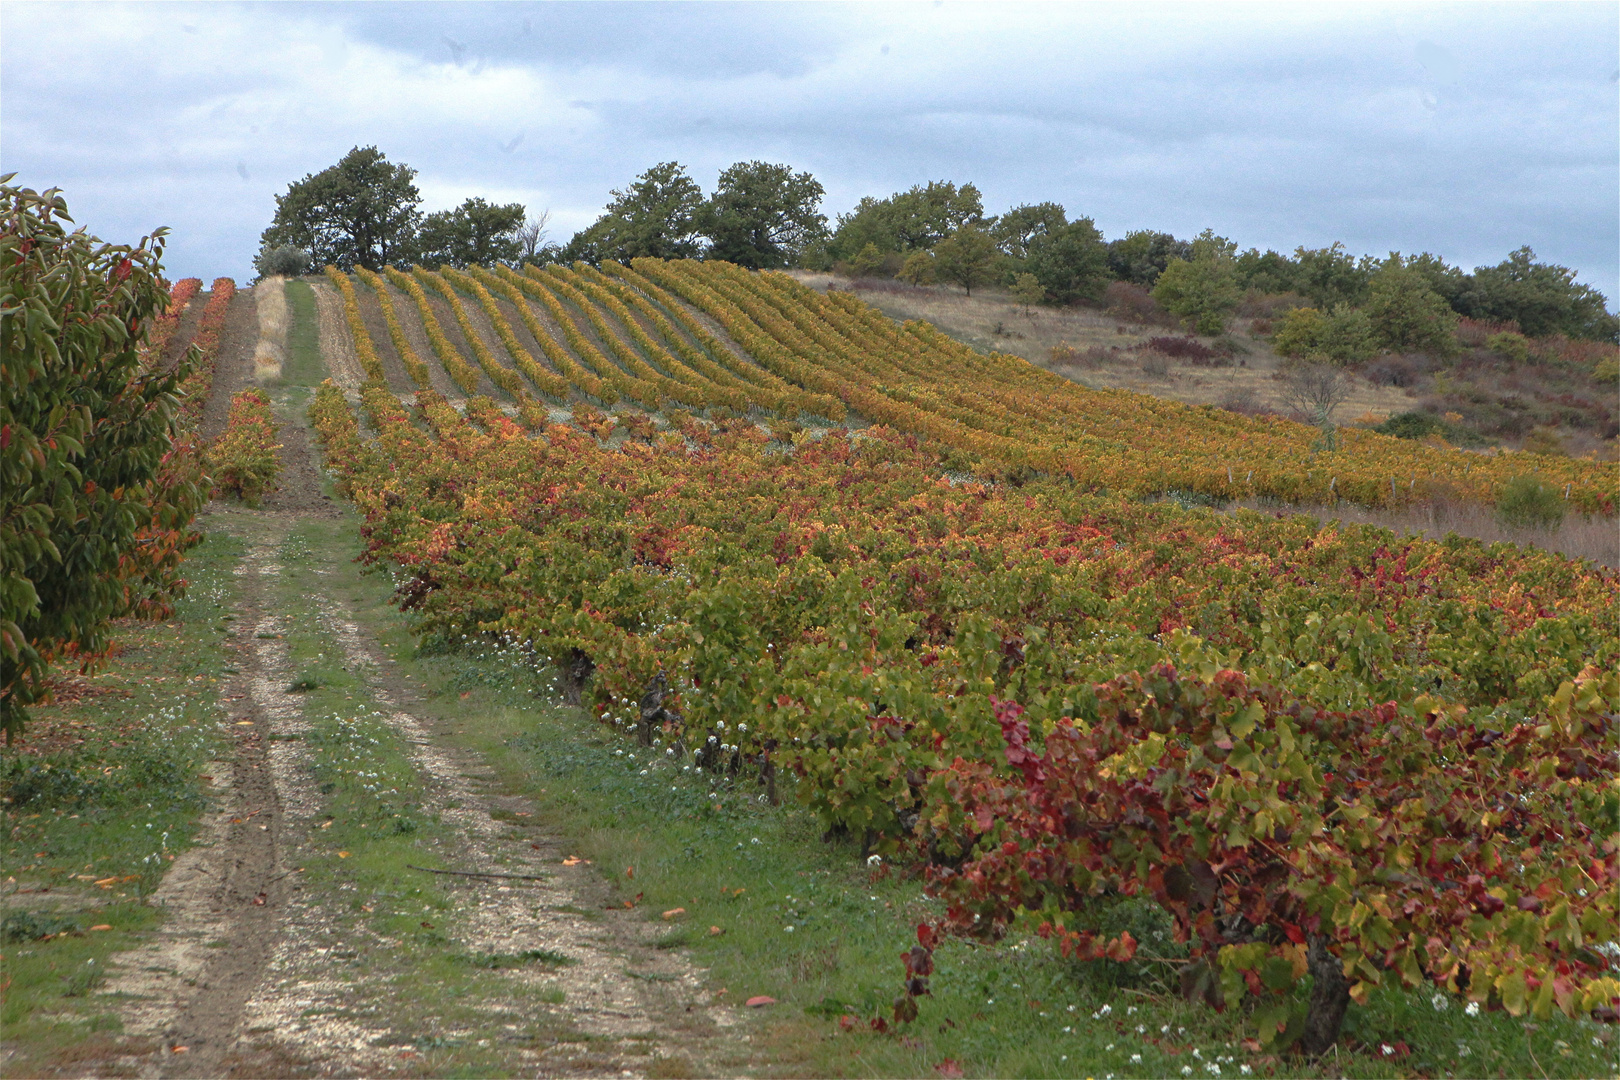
[1463, 129]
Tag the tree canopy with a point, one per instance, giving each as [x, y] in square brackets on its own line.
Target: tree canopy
[1541, 297]
[1070, 262]
[363, 211]
[476, 233]
[1140, 256]
[1017, 228]
[763, 216]
[908, 220]
[656, 217]
[967, 257]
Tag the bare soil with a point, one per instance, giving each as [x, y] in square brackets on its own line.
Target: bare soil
[410, 324]
[233, 360]
[399, 381]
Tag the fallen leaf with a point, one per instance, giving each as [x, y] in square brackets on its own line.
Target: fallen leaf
[572, 861]
[715, 931]
[759, 1002]
[178, 1049]
[629, 871]
[244, 723]
[950, 1067]
[426, 925]
[343, 854]
[367, 907]
[107, 883]
[1251, 1045]
[102, 926]
[848, 1022]
[521, 813]
[673, 912]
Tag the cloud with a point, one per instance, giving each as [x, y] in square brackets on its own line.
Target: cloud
[1466, 131]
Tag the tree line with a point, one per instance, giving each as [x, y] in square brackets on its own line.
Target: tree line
[365, 211]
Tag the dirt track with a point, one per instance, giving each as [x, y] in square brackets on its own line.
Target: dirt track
[254, 971]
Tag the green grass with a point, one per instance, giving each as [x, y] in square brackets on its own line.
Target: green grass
[807, 923]
[304, 366]
[110, 787]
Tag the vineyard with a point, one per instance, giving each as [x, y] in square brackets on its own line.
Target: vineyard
[916, 584]
[698, 336]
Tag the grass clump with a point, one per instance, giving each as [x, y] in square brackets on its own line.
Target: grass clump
[1527, 502]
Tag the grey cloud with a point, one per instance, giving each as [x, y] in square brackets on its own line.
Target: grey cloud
[1276, 126]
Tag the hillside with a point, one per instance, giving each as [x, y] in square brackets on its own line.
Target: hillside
[1555, 394]
[653, 334]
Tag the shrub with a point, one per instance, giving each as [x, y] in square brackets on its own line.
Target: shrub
[1391, 371]
[1202, 292]
[1345, 336]
[866, 262]
[918, 269]
[243, 459]
[1406, 315]
[1527, 502]
[1027, 290]
[1186, 348]
[1300, 331]
[1515, 347]
[1545, 441]
[1473, 333]
[1412, 425]
[1156, 365]
[1264, 305]
[87, 450]
[282, 261]
[1133, 303]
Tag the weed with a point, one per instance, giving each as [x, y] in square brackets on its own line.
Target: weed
[1529, 503]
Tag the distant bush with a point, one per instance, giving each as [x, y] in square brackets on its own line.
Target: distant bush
[1091, 357]
[1132, 303]
[1391, 371]
[1528, 503]
[1473, 332]
[866, 262]
[1546, 442]
[1515, 347]
[1155, 365]
[1189, 349]
[1242, 400]
[1346, 336]
[1412, 425]
[1264, 305]
[918, 269]
[282, 261]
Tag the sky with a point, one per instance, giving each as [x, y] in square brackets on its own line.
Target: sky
[1466, 130]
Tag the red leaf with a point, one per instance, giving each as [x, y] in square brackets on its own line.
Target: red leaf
[759, 1001]
[950, 1067]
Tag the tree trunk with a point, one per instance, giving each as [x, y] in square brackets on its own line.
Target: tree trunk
[1330, 997]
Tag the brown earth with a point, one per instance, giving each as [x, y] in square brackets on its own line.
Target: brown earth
[410, 324]
[233, 360]
[371, 314]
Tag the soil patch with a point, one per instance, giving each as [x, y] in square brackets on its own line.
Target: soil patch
[410, 324]
[399, 381]
[233, 361]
